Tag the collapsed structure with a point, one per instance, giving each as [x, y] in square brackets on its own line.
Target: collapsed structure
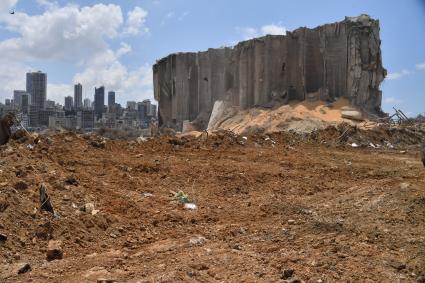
[334, 60]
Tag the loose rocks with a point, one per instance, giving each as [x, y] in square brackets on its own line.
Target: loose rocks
[54, 250]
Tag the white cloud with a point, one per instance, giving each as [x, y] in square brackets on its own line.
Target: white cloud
[167, 17]
[420, 66]
[6, 6]
[76, 36]
[273, 29]
[124, 49]
[12, 76]
[48, 4]
[135, 22]
[106, 69]
[57, 92]
[250, 32]
[392, 100]
[182, 16]
[397, 75]
[64, 33]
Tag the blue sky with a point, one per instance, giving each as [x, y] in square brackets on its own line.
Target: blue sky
[116, 42]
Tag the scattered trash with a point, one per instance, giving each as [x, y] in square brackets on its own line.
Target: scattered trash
[72, 180]
[45, 201]
[141, 139]
[291, 221]
[404, 186]
[182, 197]
[197, 241]
[191, 206]
[30, 146]
[147, 195]
[98, 144]
[389, 145]
[245, 138]
[88, 207]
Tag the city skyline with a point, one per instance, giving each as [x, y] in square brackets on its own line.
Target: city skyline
[36, 112]
[78, 86]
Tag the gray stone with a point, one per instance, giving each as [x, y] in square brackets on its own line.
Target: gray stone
[3, 238]
[21, 186]
[54, 250]
[287, 273]
[352, 115]
[24, 268]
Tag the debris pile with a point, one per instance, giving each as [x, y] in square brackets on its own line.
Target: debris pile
[303, 206]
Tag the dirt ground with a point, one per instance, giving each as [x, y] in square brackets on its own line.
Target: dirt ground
[265, 205]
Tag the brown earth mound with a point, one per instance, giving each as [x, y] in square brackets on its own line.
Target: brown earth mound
[268, 208]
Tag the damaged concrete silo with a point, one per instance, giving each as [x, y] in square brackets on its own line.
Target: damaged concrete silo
[334, 60]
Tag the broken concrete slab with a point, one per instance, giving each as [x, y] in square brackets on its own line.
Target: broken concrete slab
[352, 115]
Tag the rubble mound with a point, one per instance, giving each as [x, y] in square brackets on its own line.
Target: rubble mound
[302, 117]
[217, 207]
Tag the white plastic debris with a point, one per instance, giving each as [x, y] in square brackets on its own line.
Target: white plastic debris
[354, 145]
[389, 145]
[191, 206]
[30, 147]
[197, 241]
[372, 145]
[146, 195]
[245, 138]
[89, 207]
[141, 139]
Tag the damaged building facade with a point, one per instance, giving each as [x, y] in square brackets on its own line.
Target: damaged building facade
[334, 60]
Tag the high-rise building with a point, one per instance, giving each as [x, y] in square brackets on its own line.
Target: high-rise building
[132, 105]
[37, 88]
[87, 103]
[17, 97]
[68, 103]
[50, 104]
[147, 104]
[99, 101]
[141, 111]
[33, 116]
[111, 99]
[46, 113]
[25, 102]
[85, 119]
[78, 96]
[7, 102]
[153, 110]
